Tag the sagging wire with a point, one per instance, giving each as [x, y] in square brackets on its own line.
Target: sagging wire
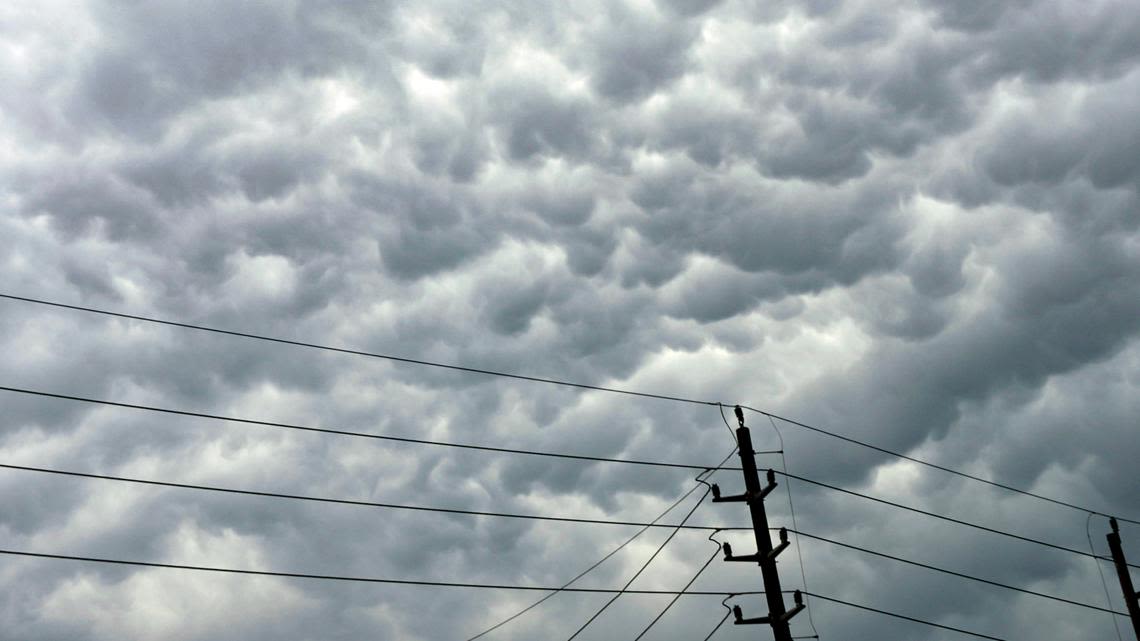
[687, 586]
[589, 569]
[661, 547]
[1100, 571]
[725, 618]
[795, 527]
[727, 424]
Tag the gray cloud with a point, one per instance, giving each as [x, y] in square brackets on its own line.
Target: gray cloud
[912, 224]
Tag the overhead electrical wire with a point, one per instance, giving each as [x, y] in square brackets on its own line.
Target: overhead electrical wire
[1100, 573]
[370, 435]
[669, 605]
[936, 466]
[393, 506]
[795, 526]
[905, 617]
[942, 517]
[357, 579]
[549, 381]
[355, 352]
[589, 569]
[661, 547]
[960, 575]
[644, 526]
[274, 424]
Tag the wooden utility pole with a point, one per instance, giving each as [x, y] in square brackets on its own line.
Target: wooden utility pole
[765, 555]
[1131, 597]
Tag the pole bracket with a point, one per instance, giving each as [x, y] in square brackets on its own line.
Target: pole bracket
[717, 498]
[729, 556]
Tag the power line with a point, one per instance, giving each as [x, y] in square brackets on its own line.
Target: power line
[674, 599]
[644, 526]
[942, 517]
[959, 574]
[380, 437]
[936, 466]
[587, 570]
[795, 526]
[354, 352]
[661, 547]
[393, 506]
[549, 381]
[151, 408]
[356, 579]
[904, 617]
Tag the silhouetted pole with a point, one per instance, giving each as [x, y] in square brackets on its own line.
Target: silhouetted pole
[1130, 595]
[765, 555]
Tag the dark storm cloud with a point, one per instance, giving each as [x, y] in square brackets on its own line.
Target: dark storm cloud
[913, 224]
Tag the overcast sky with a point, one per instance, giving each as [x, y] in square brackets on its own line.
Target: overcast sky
[912, 223]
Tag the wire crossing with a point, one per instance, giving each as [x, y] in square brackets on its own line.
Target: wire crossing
[587, 570]
[549, 381]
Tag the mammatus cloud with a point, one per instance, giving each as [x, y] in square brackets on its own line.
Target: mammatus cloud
[914, 224]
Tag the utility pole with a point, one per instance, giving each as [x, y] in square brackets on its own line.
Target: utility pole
[1131, 597]
[765, 555]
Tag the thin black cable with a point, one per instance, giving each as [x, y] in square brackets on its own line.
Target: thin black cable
[393, 506]
[959, 574]
[935, 515]
[356, 579]
[655, 552]
[936, 466]
[795, 526]
[247, 421]
[905, 617]
[354, 352]
[587, 570]
[1100, 571]
[731, 432]
[687, 586]
[717, 628]
[550, 381]
[381, 437]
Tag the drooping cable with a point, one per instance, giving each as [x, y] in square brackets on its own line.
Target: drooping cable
[907, 618]
[724, 418]
[589, 569]
[551, 381]
[1103, 582]
[661, 547]
[687, 586]
[718, 625]
[795, 526]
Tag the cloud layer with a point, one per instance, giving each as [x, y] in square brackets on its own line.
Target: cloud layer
[914, 223]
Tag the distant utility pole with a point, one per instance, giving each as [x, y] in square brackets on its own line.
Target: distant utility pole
[1131, 597]
[765, 555]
